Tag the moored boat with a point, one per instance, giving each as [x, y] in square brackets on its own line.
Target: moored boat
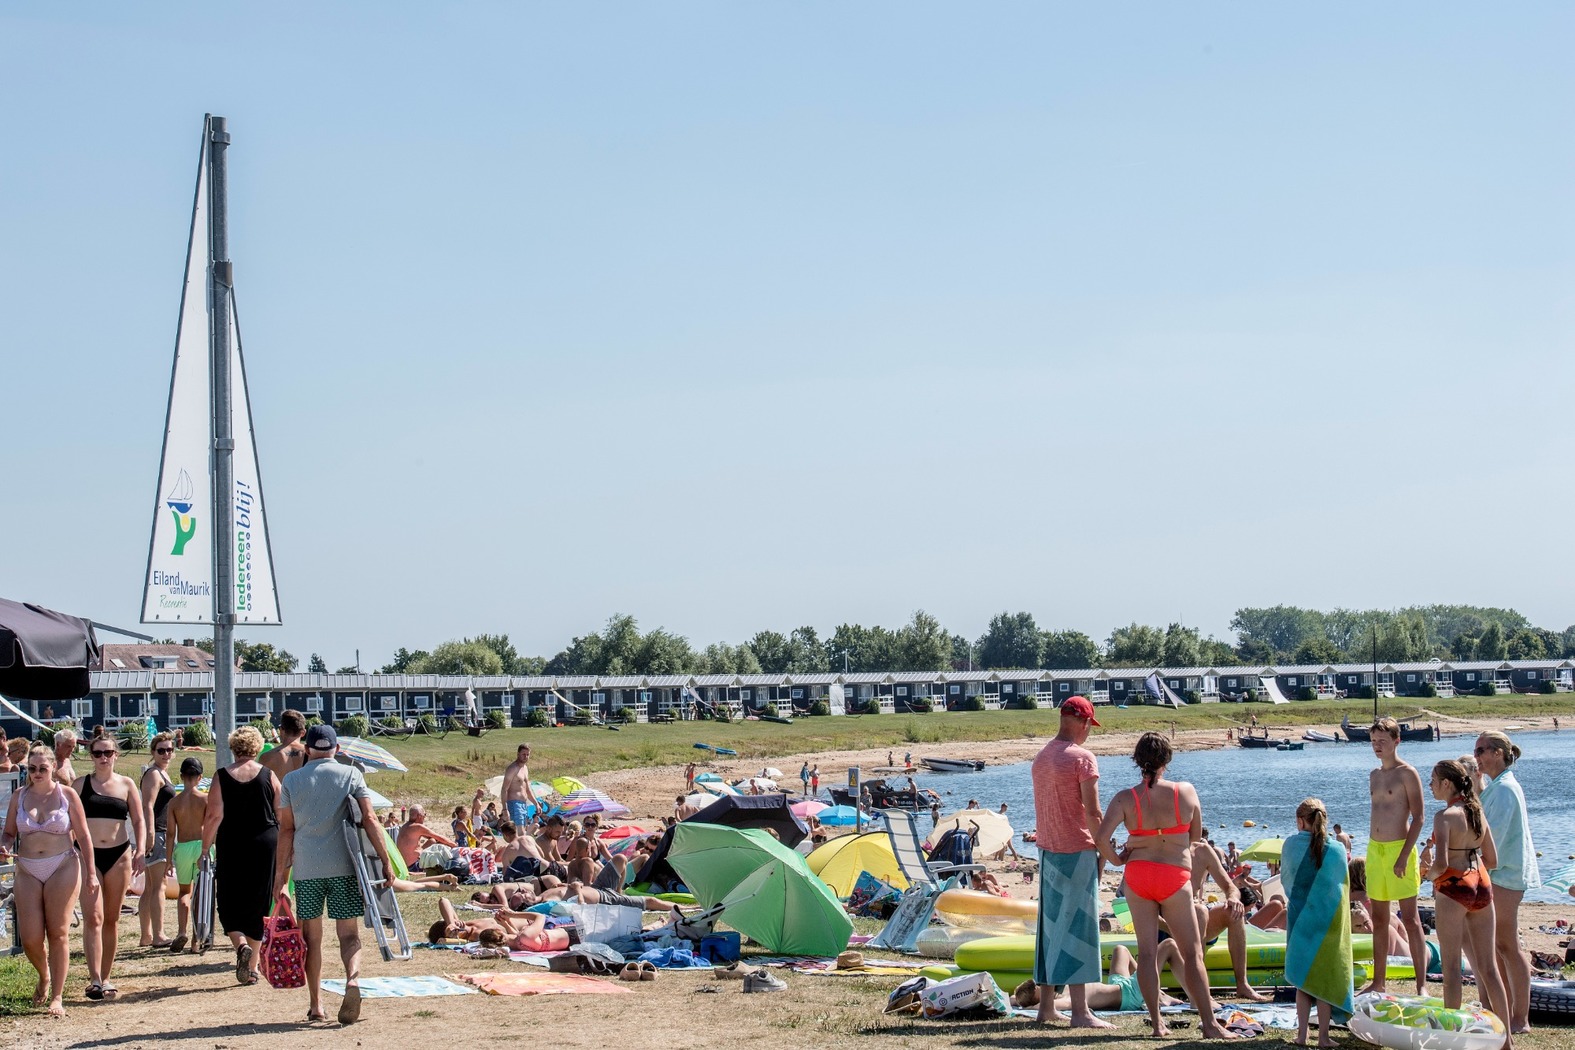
[952, 765]
[1408, 731]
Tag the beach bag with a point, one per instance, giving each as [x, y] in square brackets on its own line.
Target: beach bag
[972, 995]
[605, 922]
[436, 855]
[283, 962]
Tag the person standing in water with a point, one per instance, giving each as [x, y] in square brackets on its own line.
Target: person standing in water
[1393, 871]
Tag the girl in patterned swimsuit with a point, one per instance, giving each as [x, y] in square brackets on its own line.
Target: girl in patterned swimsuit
[1457, 859]
[40, 824]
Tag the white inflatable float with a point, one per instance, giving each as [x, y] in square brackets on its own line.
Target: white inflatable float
[942, 942]
[1416, 1023]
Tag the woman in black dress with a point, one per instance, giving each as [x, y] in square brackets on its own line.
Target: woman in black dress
[240, 821]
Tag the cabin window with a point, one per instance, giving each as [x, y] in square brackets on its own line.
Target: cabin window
[352, 703]
[1410, 678]
[387, 703]
[1531, 674]
[1065, 687]
[598, 698]
[954, 689]
[421, 702]
[1471, 676]
[745, 694]
[902, 690]
[797, 694]
[1231, 682]
[1118, 686]
[1291, 680]
[263, 707]
[645, 696]
[314, 703]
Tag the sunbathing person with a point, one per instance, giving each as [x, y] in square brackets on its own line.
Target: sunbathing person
[1229, 915]
[985, 882]
[1122, 993]
[412, 833]
[521, 931]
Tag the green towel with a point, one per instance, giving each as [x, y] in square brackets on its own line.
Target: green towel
[1318, 923]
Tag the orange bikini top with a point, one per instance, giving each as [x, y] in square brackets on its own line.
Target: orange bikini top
[1175, 829]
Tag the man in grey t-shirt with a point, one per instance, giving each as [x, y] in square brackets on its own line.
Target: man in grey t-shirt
[314, 803]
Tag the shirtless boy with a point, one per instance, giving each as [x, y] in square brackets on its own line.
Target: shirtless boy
[185, 814]
[1393, 873]
[290, 755]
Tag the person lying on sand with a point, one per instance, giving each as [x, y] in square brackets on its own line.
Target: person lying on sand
[1120, 994]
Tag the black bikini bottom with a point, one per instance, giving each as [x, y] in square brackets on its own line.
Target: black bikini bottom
[105, 857]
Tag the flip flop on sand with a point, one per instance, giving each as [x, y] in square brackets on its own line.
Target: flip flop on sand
[177, 944]
[350, 1009]
[243, 963]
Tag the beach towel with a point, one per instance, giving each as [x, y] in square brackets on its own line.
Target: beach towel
[1067, 951]
[540, 984]
[1318, 923]
[401, 987]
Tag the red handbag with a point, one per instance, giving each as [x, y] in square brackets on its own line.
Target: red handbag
[283, 962]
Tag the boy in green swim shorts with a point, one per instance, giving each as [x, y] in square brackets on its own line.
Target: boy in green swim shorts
[1393, 874]
[185, 831]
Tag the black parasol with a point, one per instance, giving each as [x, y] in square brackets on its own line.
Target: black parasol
[44, 655]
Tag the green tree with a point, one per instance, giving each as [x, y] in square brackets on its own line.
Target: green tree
[403, 660]
[1464, 647]
[348, 669]
[1065, 650]
[1214, 653]
[923, 645]
[1317, 651]
[461, 657]
[261, 656]
[806, 653]
[962, 653]
[1568, 639]
[1136, 645]
[1404, 638]
[1491, 644]
[1281, 629]
[317, 665]
[721, 658]
[773, 651]
[1182, 646]
[864, 648]
[1012, 640]
[1526, 644]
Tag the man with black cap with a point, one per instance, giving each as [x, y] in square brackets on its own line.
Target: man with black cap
[314, 804]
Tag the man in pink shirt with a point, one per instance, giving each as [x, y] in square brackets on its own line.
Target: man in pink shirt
[1066, 805]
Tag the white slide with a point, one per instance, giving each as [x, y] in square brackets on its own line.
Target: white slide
[1270, 688]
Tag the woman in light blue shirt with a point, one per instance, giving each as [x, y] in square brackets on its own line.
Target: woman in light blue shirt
[1504, 805]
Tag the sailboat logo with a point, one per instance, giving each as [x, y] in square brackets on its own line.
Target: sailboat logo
[179, 503]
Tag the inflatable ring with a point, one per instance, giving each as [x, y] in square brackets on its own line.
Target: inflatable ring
[973, 910]
[1553, 1001]
[1415, 1023]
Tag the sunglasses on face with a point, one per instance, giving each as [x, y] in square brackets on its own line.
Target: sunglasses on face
[38, 769]
[103, 754]
[164, 750]
[1483, 750]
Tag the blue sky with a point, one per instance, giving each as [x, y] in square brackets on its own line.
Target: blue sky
[745, 316]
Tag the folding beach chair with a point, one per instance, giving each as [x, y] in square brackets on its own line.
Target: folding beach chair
[926, 882]
[380, 905]
[202, 907]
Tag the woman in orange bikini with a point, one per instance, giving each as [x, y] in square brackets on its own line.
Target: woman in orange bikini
[1457, 859]
[1158, 860]
[41, 823]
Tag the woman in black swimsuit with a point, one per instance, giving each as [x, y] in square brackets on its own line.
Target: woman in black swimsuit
[240, 820]
[108, 799]
[157, 793]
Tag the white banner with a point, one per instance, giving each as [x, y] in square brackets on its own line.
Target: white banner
[179, 584]
[256, 598]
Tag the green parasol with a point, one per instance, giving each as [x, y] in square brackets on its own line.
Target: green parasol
[765, 888]
[1264, 849]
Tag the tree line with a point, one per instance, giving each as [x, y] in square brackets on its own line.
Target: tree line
[1278, 635]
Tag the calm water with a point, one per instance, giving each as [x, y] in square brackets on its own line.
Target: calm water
[1236, 785]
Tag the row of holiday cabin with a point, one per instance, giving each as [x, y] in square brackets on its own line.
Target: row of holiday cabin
[178, 699]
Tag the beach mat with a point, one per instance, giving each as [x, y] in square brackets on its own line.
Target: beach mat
[401, 987]
[540, 984]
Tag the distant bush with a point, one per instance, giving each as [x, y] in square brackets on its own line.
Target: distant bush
[133, 736]
[1547, 687]
[1486, 689]
[427, 723]
[623, 714]
[198, 734]
[770, 709]
[313, 720]
[390, 722]
[353, 725]
[537, 718]
[1192, 696]
[921, 705]
[1367, 692]
[1252, 695]
[1306, 692]
[498, 718]
[974, 703]
[1427, 689]
[820, 707]
[263, 726]
[723, 715]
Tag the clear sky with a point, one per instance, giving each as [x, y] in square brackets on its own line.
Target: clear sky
[735, 316]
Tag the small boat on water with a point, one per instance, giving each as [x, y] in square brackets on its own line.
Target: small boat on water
[1265, 742]
[1408, 731]
[1290, 745]
[1318, 737]
[952, 765]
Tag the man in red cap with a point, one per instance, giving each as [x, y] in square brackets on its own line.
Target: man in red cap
[1066, 805]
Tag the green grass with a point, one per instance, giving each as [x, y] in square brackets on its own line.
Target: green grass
[17, 981]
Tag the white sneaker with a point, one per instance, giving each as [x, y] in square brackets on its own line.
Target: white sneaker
[761, 981]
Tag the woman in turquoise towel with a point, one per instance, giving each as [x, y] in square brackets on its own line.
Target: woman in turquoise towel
[1318, 922]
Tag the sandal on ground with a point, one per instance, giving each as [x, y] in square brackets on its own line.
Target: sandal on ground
[177, 944]
[313, 1017]
[110, 992]
[243, 963]
[94, 992]
[647, 971]
[350, 1009]
[630, 972]
[736, 970]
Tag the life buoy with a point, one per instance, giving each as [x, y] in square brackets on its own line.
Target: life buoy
[1414, 1023]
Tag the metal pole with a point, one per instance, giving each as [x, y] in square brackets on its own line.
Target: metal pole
[220, 281]
[1375, 672]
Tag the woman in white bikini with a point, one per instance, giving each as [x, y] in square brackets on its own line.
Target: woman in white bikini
[108, 799]
[41, 823]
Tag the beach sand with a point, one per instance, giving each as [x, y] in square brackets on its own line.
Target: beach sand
[195, 1002]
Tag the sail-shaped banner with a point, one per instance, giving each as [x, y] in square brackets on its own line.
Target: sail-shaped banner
[179, 584]
[256, 598]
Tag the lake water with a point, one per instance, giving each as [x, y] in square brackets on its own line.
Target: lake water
[1236, 785]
